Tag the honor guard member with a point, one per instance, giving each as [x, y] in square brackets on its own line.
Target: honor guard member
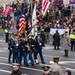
[39, 47]
[9, 47]
[22, 51]
[15, 50]
[55, 69]
[28, 51]
[16, 70]
[46, 70]
[32, 44]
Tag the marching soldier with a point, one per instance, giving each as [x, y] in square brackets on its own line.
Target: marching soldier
[15, 50]
[9, 47]
[22, 51]
[28, 51]
[46, 70]
[55, 68]
[39, 47]
[32, 44]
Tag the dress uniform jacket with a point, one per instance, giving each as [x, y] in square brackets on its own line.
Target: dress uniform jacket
[14, 47]
[56, 68]
[22, 46]
[32, 44]
[16, 72]
[9, 44]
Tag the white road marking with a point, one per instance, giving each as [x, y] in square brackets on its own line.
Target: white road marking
[2, 51]
[21, 67]
[64, 62]
[5, 48]
[34, 68]
[2, 40]
[70, 69]
[6, 71]
[3, 58]
[60, 62]
[60, 57]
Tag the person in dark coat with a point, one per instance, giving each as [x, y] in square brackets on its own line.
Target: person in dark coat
[56, 38]
[32, 44]
[15, 50]
[10, 48]
[29, 51]
[46, 70]
[22, 51]
[16, 70]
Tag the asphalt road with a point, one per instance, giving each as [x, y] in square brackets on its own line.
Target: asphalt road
[48, 53]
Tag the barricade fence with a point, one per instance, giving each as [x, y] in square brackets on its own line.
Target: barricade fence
[48, 36]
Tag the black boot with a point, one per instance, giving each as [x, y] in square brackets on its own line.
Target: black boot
[66, 53]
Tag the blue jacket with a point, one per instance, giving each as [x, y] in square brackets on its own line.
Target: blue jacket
[14, 47]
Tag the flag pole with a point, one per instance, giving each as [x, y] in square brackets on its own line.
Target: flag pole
[31, 6]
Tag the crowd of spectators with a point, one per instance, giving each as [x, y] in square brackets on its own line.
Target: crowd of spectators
[57, 16]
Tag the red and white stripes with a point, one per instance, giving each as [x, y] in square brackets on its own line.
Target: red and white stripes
[22, 26]
[45, 5]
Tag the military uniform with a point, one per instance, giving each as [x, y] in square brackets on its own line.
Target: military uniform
[23, 52]
[32, 44]
[10, 50]
[55, 67]
[17, 71]
[39, 47]
[46, 70]
[29, 52]
[15, 51]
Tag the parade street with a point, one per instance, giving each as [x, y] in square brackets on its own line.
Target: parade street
[66, 63]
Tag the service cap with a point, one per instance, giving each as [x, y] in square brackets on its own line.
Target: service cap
[56, 57]
[16, 65]
[45, 68]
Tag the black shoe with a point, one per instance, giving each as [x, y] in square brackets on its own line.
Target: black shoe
[26, 65]
[32, 64]
[43, 62]
[9, 61]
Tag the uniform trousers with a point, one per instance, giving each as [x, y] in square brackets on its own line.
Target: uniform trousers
[10, 53]
[39, 51]
[23, 54]
[16, 57]
[30, 56]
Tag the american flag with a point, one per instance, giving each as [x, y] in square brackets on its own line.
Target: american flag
[45, 5]
[6, 10]
[22, 26]
[52, 3]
